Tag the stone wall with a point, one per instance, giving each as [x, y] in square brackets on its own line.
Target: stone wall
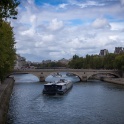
[5, 94]
[114, 80]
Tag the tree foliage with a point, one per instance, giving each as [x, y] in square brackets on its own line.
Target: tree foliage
[7, 51]
[52, 65]
[119, 62]
[76, 62]
[8, 9]
[110, 61]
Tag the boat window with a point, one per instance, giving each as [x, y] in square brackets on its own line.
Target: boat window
[59, 87]
[62, 80]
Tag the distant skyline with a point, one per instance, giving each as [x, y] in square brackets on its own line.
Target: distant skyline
[56, 29]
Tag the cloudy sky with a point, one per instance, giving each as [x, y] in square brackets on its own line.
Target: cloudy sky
[56, 29]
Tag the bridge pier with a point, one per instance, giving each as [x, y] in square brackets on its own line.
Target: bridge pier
[84, 78]
[83, 74]
[42, 78]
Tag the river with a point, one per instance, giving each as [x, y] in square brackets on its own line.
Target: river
[92, 102]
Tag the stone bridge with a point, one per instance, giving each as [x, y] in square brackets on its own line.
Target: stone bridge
[83, 74]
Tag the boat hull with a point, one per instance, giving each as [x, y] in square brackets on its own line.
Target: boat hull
[58, 88]
[64, 91]
[49, 92]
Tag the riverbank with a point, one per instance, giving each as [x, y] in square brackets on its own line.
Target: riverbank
[114, 80]
[5, 94]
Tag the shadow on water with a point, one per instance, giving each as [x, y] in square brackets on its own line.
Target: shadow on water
[25, 78]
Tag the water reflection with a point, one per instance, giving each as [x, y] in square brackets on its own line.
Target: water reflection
[63, 75]
[25, 78]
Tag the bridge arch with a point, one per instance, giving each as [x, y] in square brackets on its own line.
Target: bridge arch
[39, 75]
[97, 73]
[83, 74]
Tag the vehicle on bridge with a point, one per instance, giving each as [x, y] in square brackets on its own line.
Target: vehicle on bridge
[58, 87]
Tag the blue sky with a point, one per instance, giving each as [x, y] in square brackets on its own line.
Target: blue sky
[52, 2]
[56, 29]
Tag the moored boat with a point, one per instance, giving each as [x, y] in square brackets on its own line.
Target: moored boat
[59, 87]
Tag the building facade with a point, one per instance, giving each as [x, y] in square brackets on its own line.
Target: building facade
[20, 62]
[103, 52]
[119, 50]
[63, 61]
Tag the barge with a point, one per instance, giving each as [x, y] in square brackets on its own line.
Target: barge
[59, 87]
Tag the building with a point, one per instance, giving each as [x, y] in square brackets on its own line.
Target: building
[20, 62]
[119, 50]
[46, 61]
[103, 52]
[63, 61]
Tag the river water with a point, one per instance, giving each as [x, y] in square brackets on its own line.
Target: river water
[92, 102]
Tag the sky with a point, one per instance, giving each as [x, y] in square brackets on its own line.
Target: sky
[56, 29]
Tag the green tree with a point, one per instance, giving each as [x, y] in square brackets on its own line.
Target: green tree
[109, 61]
[8, 9]
[87, 61]
[98, 62]
[75, 57]
[76, 62]
[119, 62]
[7, 51]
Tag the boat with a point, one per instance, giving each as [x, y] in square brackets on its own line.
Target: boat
[70, 74]
[56, 75]
[58, 87]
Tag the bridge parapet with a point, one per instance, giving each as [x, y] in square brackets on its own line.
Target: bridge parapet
[83, 74]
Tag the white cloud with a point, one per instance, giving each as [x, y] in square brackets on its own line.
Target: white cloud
[117, 25]
[45, 32]
[122, 2]
[83, 4]
[75, 43]
[113, 37]
[55, 24]
[29, 32]
[30, 1]
[48, 38]
[101, 23]
[63, 6]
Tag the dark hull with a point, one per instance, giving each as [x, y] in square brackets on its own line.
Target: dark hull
[49, 92]
[54, 92]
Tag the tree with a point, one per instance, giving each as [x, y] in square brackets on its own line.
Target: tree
[109, 61]
[7, 51]
[98, 62]
[7, 41]
[119, 62]
[76, 62]
[8, 9]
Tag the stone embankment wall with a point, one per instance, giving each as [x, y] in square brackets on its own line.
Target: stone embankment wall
[5, 94]
[114, 80]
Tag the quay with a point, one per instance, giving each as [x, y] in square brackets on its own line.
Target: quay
[115, 80]
[5, 93]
